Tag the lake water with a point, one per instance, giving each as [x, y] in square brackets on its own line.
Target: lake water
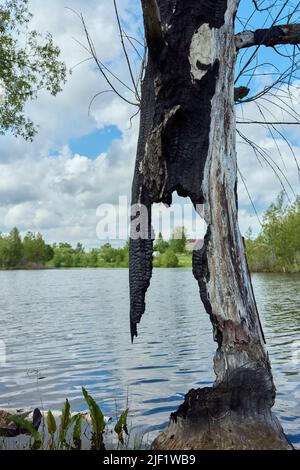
[67, 328]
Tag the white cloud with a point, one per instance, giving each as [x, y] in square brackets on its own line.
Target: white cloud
[59, 195]
[66, 115]
[275, 168]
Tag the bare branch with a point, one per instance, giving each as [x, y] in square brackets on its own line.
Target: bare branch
[137, 96]
[271, 123]
[104, 70]
[249, 196]
[270, 37]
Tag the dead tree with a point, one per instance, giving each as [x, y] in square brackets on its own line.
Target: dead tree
[187, 144]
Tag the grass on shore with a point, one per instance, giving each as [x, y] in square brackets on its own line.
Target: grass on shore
[185, 260]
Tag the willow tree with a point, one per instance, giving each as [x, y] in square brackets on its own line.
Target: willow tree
[187, 144]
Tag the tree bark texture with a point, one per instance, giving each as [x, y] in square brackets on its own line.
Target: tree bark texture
[187, 144]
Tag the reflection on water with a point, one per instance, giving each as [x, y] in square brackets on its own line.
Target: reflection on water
[68, 328]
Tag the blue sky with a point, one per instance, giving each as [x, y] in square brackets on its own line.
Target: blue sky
[98, 141]
[82, 159]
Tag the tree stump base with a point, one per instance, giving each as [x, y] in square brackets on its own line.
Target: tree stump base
[233, 415]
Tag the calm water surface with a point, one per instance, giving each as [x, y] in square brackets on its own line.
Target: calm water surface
[67, 328]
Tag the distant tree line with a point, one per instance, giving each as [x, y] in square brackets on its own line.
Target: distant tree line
[65, 256]
[31, 251]
[275, 249]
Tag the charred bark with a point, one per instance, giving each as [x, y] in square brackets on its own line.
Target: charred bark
[235, 415]
[187, 144]
[140, 248]
[277, 35]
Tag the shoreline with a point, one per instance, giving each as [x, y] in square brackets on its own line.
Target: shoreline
[69, 268]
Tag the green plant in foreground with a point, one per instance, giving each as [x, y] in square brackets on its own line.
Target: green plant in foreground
[98, 422]
[68, 433]
[51, 424]
[121, 426]
[77, 431]
[65, 423]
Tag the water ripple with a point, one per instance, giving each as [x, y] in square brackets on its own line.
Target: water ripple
[68, 328]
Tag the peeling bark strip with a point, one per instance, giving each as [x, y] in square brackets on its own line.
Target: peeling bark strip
[187, 144]
[140, 250]
[284, 34]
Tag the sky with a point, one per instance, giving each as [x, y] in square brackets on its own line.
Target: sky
[82, 158]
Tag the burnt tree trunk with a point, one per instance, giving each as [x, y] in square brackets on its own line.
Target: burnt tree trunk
[187, 144]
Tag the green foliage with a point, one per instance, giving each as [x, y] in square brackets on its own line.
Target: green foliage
[29, 63]
[178, 240]
[32, 252]
[277, 247]
[15, 253]
[170, 259]
[171, 250]
[63, 257]
[114, 256]
[98, 421]
[167, 260]
[121, 426]
[184, 260]
[77, 419]
[67, 434]
[161, 245]
[29, 428]
[67, 257]
[51, 425]
[65, 423]
[35, 249]
[11, 249]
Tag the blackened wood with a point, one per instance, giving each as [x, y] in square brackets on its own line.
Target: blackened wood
[187, 144]
[269, 37]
